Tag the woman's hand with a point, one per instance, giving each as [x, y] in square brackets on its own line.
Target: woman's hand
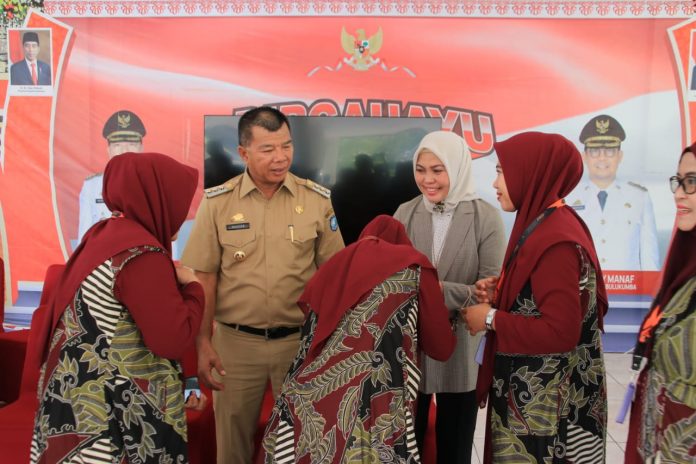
[485, 289]
[474, 317]
[184, 275]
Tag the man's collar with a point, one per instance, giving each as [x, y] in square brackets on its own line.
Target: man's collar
[595, 188]
[248, 185]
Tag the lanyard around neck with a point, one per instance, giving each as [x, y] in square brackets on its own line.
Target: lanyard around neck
[650, 325]
[523, 238]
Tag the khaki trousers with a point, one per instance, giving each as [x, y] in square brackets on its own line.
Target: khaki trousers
[249, 362]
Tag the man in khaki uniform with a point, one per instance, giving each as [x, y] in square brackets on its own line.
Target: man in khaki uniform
[256, 241]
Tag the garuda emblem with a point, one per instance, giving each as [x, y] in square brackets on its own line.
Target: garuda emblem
[124, 120]
[361, 49]
[602, 126]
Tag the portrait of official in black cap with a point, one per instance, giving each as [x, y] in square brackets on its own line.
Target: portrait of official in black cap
[124, 132]
[618, 212]
[31, 70]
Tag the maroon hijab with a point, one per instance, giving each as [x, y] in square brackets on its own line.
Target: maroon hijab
[382, 249]
[540, 169]
[152, 193]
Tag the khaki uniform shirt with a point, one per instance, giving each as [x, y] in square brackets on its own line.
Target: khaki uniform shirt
[263, 250]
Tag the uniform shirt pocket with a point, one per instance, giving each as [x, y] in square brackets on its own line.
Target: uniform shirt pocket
[301, 235]
[300, 240]
[241, 238]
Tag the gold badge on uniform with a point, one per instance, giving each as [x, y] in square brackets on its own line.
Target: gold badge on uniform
[238, 217]
[627, 205]
[299, 209]
[239, 255]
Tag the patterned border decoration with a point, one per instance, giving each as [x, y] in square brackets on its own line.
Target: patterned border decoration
[623, 9]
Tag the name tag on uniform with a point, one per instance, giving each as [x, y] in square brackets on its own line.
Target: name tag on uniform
[240, 226]
[99, 200]
[578, 207]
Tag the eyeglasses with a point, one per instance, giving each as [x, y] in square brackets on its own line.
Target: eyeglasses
[688, 183]
[607, 152]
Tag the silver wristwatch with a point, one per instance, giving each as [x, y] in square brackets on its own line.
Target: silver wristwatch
[489, 318]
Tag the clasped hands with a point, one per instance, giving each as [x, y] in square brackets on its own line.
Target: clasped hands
[474, 317]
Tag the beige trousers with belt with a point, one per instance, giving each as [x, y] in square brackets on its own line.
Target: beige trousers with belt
[250, 361]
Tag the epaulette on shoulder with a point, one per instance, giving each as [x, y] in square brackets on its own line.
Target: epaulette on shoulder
[93, 175]
[228, 186]
[638, 186]
[320, 189]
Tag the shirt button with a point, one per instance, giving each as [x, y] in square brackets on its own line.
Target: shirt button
[604, 241]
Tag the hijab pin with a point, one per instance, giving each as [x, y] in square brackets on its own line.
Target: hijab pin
[439, 207]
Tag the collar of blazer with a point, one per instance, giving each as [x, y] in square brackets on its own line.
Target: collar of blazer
[459, 229]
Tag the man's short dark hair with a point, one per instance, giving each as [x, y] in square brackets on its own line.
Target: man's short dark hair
[263, 116]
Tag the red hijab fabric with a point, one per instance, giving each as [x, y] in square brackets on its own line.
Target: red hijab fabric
[382, 249]
[539, 170]
[153, 193]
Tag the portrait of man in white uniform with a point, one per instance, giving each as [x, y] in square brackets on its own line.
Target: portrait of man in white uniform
[618, 212]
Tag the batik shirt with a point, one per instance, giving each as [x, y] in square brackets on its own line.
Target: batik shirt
[552, 408]
[668, 406]
[104, 396]
[354, 400]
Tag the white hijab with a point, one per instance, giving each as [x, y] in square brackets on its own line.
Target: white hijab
[454, 153]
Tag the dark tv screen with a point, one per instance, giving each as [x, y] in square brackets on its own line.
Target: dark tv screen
[366, 162]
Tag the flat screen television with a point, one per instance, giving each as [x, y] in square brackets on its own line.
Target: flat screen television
[366, 162]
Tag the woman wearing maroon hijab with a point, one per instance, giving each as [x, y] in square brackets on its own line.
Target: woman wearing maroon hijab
[350, 393]
[121, 315]
[664, 410]
[543, 372]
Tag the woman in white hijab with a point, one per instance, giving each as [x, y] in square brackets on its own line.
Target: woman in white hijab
[464, 238]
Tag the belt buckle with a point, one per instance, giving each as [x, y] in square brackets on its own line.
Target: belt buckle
[268, 333]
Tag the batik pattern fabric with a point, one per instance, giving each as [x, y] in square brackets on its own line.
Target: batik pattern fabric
[668, 409]
[552, 408]
[353, 401]
[104, 396]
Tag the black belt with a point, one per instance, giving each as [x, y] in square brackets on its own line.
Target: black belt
[269, 334]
